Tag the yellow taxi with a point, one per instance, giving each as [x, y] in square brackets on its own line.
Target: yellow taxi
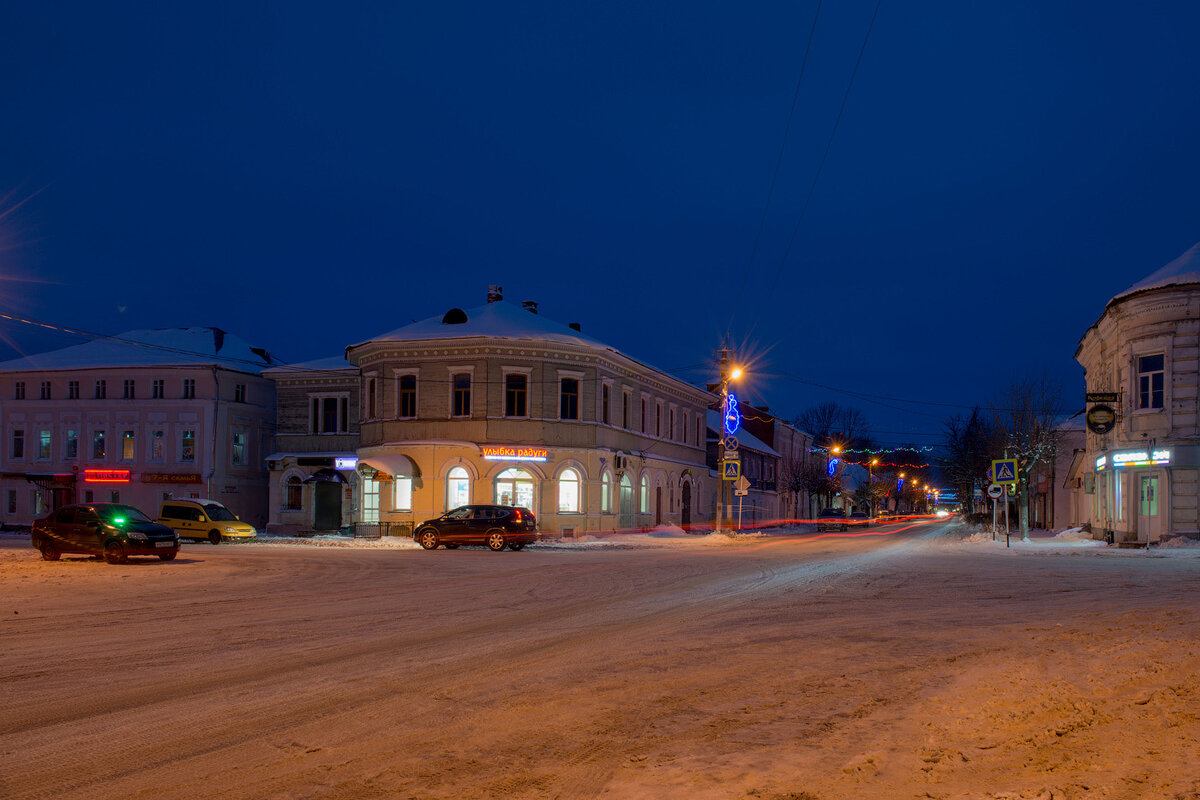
[203, 519]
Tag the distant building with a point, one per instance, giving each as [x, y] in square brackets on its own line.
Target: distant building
[497, 404]
[137, 418]
[313, 474]
[1142, 476]
[759, 465]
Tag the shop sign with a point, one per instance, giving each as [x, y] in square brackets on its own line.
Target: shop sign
[493, 452]
[1101, 419]
[345, 463]
[1101, 463]
[1141, 458]
[170, 477]
[106, 475]
[1102, 397]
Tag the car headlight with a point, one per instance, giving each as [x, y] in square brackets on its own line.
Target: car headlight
[136, 535]
[230, 530]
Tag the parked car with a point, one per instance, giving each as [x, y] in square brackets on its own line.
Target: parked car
[884, 517]
[112, 530]
[832, 519]
[861, 519]
[204, 519]
[494, 526]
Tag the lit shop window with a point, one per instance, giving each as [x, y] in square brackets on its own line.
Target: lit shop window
[43, 444]
[568, 491]
[128, 446]
[458, 488]
[606, 493]
[403, 494]
[514, 487]
[187, 447]
[370, 498]
[98, 448]
[644, 494]
[156, 446]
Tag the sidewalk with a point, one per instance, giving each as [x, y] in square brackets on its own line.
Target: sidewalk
[1078, 542]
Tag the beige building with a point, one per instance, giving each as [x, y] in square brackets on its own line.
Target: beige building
[497, 404]
[1141, 476]
[137, 418]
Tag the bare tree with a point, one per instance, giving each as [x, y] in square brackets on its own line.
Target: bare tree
[971, 444]
[831, 424]
[1025, 418]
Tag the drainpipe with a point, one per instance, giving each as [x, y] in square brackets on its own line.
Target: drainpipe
[212, 464]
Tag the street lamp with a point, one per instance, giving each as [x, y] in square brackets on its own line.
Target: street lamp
[871, 485]
[730, 421]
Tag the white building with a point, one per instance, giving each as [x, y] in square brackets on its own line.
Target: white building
[137, 418]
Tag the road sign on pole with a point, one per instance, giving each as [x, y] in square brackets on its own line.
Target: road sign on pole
[1004, 470]
[995, 491]
[731, 470]
[742, 487]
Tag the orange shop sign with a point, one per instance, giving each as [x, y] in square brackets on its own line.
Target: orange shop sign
[106, 475]
[170, 477]
[499, 452]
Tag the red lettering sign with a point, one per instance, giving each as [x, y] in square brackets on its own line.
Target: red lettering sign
[106, 475]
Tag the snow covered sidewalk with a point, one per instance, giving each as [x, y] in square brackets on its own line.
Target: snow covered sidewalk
[1076, 541]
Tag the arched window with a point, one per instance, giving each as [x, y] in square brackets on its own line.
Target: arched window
[644, 503]
[293, 498]
[568, 491]
[606, 493]
[514, 487]
[458, 488]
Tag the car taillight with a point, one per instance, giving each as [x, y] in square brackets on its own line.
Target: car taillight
[516, 515]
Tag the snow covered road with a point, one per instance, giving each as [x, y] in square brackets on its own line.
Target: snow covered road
[911, 665]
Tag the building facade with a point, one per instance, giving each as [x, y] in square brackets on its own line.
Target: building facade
[314, 482]
[498, 404]
[139, 418]
[1141, 476]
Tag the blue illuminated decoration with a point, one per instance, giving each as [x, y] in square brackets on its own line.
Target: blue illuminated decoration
[833, 465]
[899, 484]
[733, 418]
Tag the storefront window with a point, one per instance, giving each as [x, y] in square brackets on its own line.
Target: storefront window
[644, 494]
[403, 494]
[370, 497]
[458, 488]
[568, 491]
[514, 487]
[605, 493]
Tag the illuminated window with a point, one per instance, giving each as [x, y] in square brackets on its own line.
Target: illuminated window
[514, 487]
[515, 386]
[293, 494]
[370, 498]
[458, 488]
[187, 447]
[127, 446]
[568, 399]
[462, 397]
[606, 493]
[644, 495]
[403, 494]
[43, 444]
[408, 396]
[189, 388]
[568, 491]
[98, 450]
[157, 441]
[1150, 381]
[239, 449]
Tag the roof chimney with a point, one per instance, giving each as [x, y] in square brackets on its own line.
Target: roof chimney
[495, 293]
[574, 326]
[529, 305]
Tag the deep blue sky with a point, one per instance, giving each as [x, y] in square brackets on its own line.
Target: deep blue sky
[305, 177]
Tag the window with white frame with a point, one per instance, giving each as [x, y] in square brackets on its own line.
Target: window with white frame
[568, 491]
[606, 493]
[19, 390]
[158, 389]
[72, 390]
[1151, 371]
[45, 393]
[189, 388]
[458, 488]
[370, 499]
[127, 389]
[402, 499]
[101, 389]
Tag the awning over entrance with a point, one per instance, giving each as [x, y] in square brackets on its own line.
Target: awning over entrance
[325, 475]
[393, 465]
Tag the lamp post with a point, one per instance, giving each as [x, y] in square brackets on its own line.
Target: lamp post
[871, 486]
[729, 372]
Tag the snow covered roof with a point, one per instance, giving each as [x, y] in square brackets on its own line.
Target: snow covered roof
[158, 347]
[744, 437]
[1185, 269]
[498, 320]
[332, 364]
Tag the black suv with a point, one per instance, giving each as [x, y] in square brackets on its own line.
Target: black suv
[495, 526]
[109, 529]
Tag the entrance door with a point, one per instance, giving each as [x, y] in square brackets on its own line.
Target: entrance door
[626, 502]
[327, 502]
[1148, 508]
[685, 512]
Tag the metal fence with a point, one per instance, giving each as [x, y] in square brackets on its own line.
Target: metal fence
[377, 530]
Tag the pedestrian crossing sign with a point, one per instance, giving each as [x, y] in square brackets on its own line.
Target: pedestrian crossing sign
[1004, 470]
[731, 470]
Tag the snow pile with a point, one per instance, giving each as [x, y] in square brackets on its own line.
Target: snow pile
[1180, 542]
[336, 540]
[1073, 535]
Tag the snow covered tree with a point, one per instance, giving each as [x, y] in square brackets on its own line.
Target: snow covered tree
[1025, 418]
[971, 444]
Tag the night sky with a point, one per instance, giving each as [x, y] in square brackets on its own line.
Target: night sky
[307, 176]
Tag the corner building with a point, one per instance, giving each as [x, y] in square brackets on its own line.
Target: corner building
[497, 404]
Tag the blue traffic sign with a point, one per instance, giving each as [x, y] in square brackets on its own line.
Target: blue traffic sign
[731, 470]
[1004, 470]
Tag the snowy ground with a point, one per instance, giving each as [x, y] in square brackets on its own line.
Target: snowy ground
[928, 663]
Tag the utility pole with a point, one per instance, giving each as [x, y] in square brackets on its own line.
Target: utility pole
[728, 372]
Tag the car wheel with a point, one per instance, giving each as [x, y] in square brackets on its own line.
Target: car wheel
[495, 540]
[114, 553]
[214, 537]
[428, 539]
[516, 546]
[49, 551]
[451, 547]
[168, 556]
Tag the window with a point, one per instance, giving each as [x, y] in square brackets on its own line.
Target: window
[72, 449]
[458, 488]
[683, 426]
[604, 404]
[568, 398]
[18, 443]
[115, 497]
[625, 410]
[239, 393]
[462, 397]
[371, 398]
[19, 390]
[606, 493]
[403, 494]
[187, 447]
[127, 389]
[644, 495]
[514, 487]
[72, 390]
[329, 415]
[12, 501]
[89, 496]
[1150, 381]
[699, 436]
[43, 444]
[157, 440]
[239, 449]
[98, 451]
[101, 389]
[293, 494]
[158, 388]
[408, 396]
[657, 418]
[45, 390]
[370, 497]
[568, 491]
[643, 426]
[514, 395]
[128, 446]
[189, 388]
[671, 425]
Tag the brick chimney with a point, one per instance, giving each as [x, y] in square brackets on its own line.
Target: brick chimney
[529, 305]
[495, 293]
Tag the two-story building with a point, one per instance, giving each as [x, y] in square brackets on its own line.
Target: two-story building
[497, 404]
[1143, 451]
[137, 418]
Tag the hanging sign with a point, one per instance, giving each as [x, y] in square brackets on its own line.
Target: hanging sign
[1102, 397]
[1101, 419]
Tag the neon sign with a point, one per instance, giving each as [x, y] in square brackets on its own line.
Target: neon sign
[345, 463]
[833, 465]
[514, 453]
[106, 475]
[1101, 463]
[733, 417]
[1139, 458]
